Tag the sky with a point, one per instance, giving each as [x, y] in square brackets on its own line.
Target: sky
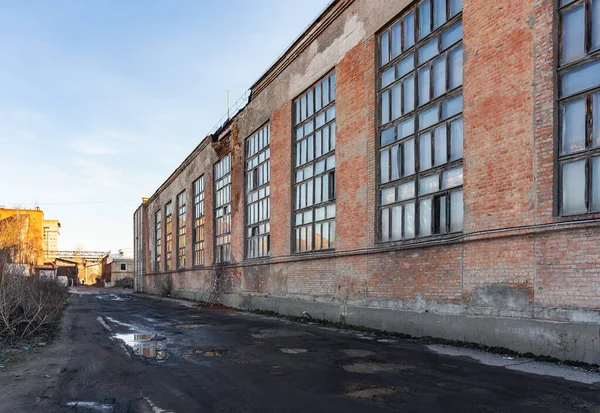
[100, 100]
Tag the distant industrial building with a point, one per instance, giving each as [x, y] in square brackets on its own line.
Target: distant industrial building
[427, 167]
[117, 269]
[51, 234]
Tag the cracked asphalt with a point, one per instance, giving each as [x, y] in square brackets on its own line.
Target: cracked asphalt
[119, 352]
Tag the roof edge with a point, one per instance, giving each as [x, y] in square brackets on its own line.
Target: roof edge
[314, 29]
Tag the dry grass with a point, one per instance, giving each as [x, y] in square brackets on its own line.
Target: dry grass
[29, 307]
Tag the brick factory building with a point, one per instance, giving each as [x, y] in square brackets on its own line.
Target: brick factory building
[429, 167]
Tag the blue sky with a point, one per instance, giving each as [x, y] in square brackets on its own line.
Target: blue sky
[100, 100]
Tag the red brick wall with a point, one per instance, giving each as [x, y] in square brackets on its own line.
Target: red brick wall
[281, 180]
[568, 268]
[498, 144]
[509, 161]
[355, 111]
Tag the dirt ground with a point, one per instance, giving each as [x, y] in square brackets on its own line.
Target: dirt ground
[119, 352]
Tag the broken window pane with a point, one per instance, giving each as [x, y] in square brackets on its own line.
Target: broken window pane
[440, 215]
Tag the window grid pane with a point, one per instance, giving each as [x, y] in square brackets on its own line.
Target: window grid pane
[198, 223]
[258, 199]
[222, 182]
[169, 236]
[158, 240]
[578, 66]
[314, 168]
[181, 231]
[421, 151]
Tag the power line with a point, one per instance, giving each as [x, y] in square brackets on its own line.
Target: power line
[73, 203]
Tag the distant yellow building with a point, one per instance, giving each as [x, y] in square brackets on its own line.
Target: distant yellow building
[21, 236]
[25, 236]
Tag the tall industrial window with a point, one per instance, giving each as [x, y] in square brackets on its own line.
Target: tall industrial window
[258, 201]
[169, 236]
[198, 234]
[158, 238]
[420, 134]
[579, 107]
[314, 167]
[223, 210]
[181, 217]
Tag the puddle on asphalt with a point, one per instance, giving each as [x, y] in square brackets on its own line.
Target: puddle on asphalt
[112, 297]
[146, 345]
[90, 406]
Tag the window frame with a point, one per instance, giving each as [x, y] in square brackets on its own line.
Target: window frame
[418, 108]
[181, 230]
[332, 190]
[217, 259]
[266, 129]
[158, 247]
[589, 152]
[169, 236]
[198, 217]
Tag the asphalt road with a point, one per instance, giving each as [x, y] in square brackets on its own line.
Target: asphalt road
[130, 353]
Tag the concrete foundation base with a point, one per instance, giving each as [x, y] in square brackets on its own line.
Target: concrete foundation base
[563, 340]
